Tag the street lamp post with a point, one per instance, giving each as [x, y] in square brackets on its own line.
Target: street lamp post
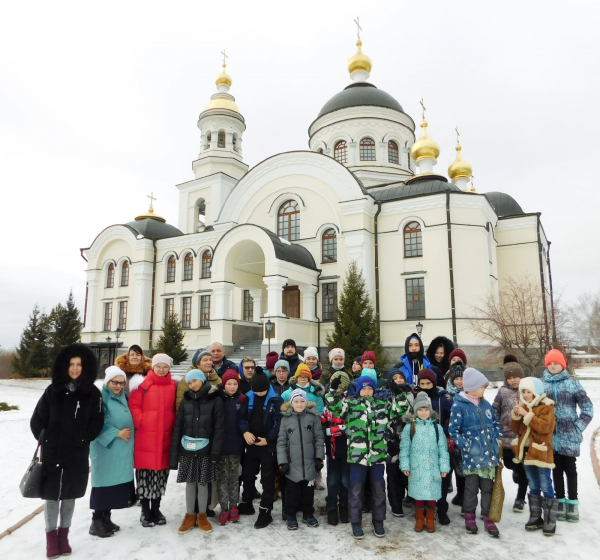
[108, 350]
[269, 331]
[419, 328]
[117, 335]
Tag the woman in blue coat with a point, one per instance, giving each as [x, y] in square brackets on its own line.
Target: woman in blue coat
[112, 457]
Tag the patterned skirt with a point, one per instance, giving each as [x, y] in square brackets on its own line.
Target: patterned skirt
[194, 468]
[151, 485]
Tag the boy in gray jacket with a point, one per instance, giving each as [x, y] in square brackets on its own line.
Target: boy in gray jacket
[300, 456]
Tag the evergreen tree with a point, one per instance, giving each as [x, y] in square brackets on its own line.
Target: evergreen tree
[355, 325]
[170, 342]
[63, 327]
[32, 353]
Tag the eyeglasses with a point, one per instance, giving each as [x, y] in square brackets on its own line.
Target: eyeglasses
[249, 367]
[118, 383]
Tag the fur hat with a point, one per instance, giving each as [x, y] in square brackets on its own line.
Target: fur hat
[473, 379]
[365, 381]
[458, 352]
[229, 375]
[288, 342]
[112, 372]
[422, 401]
[282, 363]
[532, 384]
[271, 360]
[303, 369]
[334, 352]
[513, 369]
[345, 383]
[60, 367]
[162, 359]
[555, 356]
[260, 381]
[311, 351]
[195, 374]
[427, 374]
[369, 355]
[298, 394]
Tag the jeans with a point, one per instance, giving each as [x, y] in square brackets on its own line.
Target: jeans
[51, 510]
[338, 483]
[358, 477]
[539, 481]
[565, 465]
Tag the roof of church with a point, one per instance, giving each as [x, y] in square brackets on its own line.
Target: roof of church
[360, 94]
[296, 254]
[417, 186]
[151, 228]
[504, 204]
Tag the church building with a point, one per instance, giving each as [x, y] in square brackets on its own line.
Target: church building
[273, 243]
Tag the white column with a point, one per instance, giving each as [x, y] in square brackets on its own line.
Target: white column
[222, 300]
[359, 248]
[256, 296]
[352, 155]
[139, 308]
[275, 286]
[382, 159]
[426, 165]
[92, 294]
[308, 301]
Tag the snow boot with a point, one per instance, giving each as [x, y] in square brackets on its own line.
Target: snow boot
[52, 550]
[443, 518]
[430, 520]
[470, 523]
[146, 517]
[189, 522]
[246, 508]
[458, 500]
[203, 523]
[108, 522]
[519, 506]
[157, 516]
[97, 529]
[357, 531]
[550, 507]
[378, 529]
[63, 541]
[224, 518]
[344, 514]
[292, 523]
[572, 511]
[420, 519]
[310, 521]
[490, 527]
[562, 510]
[264, 518]
[332, 517]
[535, 513]
[234, 515]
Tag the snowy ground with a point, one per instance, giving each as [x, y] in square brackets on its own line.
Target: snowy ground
[133, 542]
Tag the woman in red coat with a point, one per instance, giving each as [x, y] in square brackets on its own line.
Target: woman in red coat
[152, 405]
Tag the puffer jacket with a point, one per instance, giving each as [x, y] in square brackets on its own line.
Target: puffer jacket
[278, 388]
[442, 404]
[476, 431]
[314, 393]
[409, 368]
[182, 386]
[199, 416]
[505, 400]
[300, 442]
[234, 442]
[152, 406]
[271, 415]
[568, 394]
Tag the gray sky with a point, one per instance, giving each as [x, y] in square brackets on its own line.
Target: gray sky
[99, 104]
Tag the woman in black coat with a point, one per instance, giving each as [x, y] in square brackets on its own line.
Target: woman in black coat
[438, 353]
[71, 414]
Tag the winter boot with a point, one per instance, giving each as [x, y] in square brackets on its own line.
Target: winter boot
[408, 501]
[344, 514]
[234, 515]
[458, 500]
[562, 510]
[108, 522]
[420, 517]
[430, 520]
[52, 550]
[97, 529]
[378, 529]
[535, 513]
[490, 527]
[203, 522]
[246, 508]
[292, 523]
[63, 541]
[519, 506]
[146, 517]
[572, 511]
[224, 518]
[264, 518]
[189, 522]
[470, 523]
[357, 531]
[311, 521]
[157, 516]
[332, 517]
[550, 507]
[443, 518]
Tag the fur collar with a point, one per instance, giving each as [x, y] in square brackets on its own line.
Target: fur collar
[135, 382]
[60, 367]
[287, 406]
[124, 364]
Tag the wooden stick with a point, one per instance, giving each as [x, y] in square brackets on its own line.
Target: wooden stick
[26, 519]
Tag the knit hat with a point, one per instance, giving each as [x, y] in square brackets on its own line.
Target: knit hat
[369, 355]
[369, 372]
[458, 352]
[311, 351]
[112, 372]
[422, 401]
[395, 371]
[288, 342]
[473, 379]
[427, 374]
[271, 360]
[555, 356]
[229, 375]
[345, 383]
[195, 374]
[303, 369]
[513, 369]
[456, 370]
[509, 358]
[198, 355]
[533, 384]
[298, 394]
[260, 381]
[162, 359]
[365, 381]
[282, 363]
[358, 359]
[336, 352]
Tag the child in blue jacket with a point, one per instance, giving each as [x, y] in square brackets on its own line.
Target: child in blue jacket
[476, 431]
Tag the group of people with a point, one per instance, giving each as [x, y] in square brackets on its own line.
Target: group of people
[224, 424]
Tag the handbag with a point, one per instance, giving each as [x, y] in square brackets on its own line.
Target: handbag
[497, 494]
[31, 483]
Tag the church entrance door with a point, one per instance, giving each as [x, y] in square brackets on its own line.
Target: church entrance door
[291, 301]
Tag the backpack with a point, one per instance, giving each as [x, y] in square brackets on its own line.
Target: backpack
[413, 430]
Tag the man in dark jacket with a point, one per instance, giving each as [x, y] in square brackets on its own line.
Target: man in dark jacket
[290, 355]
[414, 359]
[220, 361]
[247, 369]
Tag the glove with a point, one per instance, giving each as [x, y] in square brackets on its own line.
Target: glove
[318, 464]
[215, 457]
[396, 389]
[284, 468]
[335, 383]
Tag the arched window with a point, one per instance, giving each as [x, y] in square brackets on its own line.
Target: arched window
[340, 152]
[413, 243]
[206, 262]
[393, 156]
[288, 220]
[171, 269]
[367, 149]
[329, 246]
[110, 276]
[188, 267]
[221, 139]
[125, 273]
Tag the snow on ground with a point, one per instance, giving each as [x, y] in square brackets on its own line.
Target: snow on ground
[242, 541]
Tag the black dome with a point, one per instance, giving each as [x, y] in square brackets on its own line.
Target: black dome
[419, 186]
[151, 228]
[504, 204]
[360, 94]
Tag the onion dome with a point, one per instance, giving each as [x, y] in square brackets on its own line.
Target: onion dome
[223, 79]
[425, 147]
[359, 65]
[222, 99]
[150, 214]
[460, 169]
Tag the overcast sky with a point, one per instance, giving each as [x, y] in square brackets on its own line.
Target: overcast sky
[99, 103]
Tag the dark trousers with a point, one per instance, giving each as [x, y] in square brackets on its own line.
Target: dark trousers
[338, 483]
[259, 457]
[442, 503]
[397, 483]
[474, 483]
[358, 476]
[300, 496]
[518, 469]
[565, 465]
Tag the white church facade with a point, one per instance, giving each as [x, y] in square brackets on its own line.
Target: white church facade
[273, 243]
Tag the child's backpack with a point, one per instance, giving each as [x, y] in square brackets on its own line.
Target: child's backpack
[413, 430]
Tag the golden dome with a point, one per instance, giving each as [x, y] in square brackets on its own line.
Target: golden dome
[150, 214]
[222, 103]
[425, 147]
[460, 169]
[359, 61]
[223, 79]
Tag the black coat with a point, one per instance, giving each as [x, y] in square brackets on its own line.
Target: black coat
[72, 419]
[294, 362]
[200, 415]
[244, 385]
[234, 441]
[280, 389]
[225, 365]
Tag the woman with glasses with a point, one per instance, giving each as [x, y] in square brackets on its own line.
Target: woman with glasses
[112, 456]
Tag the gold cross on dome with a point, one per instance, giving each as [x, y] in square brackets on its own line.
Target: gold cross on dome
[358, 26]
[423, 106]
[457, 135]
[225, 56]
[152, 199]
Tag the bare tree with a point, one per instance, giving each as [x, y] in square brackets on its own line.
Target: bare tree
[585, 324]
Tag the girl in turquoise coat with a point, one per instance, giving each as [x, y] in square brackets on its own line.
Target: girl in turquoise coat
[112, 456]
[425, 460]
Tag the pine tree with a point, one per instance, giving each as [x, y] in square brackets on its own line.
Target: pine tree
[63, 327]
[32, 353]
[355, 325]
[170, 342]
